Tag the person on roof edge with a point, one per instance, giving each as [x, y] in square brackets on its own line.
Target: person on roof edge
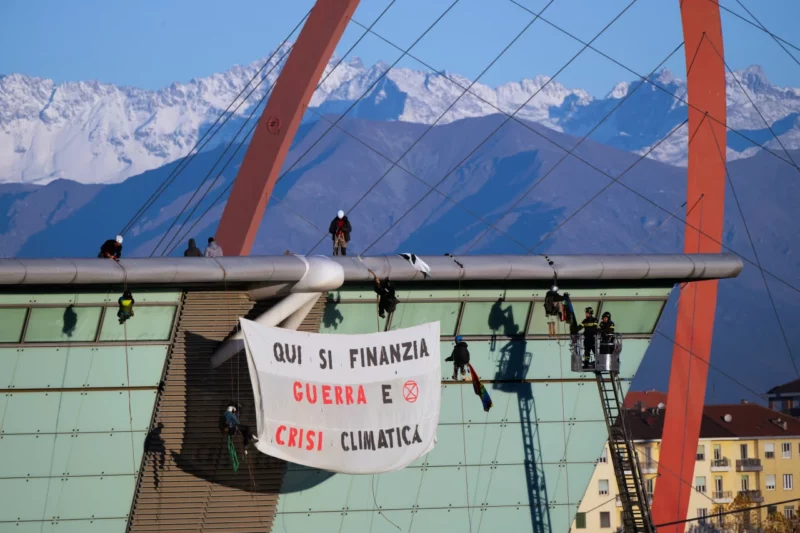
[589, 327]
[606, 333]
[460, 358]
[111, 249]
[340, 229]
[213, 249]
[126, 302]
[229, 424]
[192, 250]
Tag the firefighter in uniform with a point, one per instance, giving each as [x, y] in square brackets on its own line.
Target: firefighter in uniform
[606, 333]
[589, 327]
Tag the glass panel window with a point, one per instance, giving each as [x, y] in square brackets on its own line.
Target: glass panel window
[633, 316]
[702, 514]
[770, 482]
[352, 318]
[602, 486]
[605, 520]
[786, 449]
[717, 452]
[769, 450]
[745, 483]
[788, 482]
[494, 318]
[700, 483]
[604, 456]
[788, 511]
[63, 324]
[743, 451]
[413, 314]
[539, 320]
[148, 323]
[701, 452]
[11, 322]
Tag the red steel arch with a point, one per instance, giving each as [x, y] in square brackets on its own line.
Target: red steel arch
[706, 179]
[705, 83]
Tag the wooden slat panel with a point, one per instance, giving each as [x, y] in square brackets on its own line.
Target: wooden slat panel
[186, 481]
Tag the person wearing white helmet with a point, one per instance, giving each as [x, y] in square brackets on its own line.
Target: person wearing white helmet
[340, 229]
[111, 249]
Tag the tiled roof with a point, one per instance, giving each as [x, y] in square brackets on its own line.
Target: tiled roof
[747, 420]
[792, 386]
[649, 399]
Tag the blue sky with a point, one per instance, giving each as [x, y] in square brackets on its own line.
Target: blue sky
[152, 43]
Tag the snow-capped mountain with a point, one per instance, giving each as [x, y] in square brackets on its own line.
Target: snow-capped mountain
[92, 132]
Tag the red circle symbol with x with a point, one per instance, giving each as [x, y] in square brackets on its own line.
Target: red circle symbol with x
[410, 391]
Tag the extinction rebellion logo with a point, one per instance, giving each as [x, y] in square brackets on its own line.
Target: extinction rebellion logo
[410, 391]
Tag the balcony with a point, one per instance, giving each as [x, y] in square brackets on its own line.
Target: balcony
[721, 465]
[722, 496]
[648, 467]
[754, 495]
[749, 465]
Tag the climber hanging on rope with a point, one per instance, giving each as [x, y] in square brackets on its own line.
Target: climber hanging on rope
[385, 290]
[126, 302]
[460, 358]
[229, 425]
[340, 229]
[554, 307]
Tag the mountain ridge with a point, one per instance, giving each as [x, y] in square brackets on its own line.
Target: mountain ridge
[92, 132]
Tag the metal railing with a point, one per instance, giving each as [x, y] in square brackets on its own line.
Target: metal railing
[722, 495]
[605, 355]
[720, 463]
[748, 465]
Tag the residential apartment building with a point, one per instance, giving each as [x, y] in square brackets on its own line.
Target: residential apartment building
[785, 398]
[744, 449]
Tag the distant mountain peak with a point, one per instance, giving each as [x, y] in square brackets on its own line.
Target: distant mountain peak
[95, 132]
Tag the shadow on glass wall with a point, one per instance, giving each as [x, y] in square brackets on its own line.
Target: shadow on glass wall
[194, 443]
[512, 369]
[70, 321]
[332, 317]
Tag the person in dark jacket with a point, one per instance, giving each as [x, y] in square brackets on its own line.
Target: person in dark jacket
[111, 249]
[193, 250]
[460, 358]
[126, 302]
[229, 425]
[340, 229]
[606, 333]
[388, 301]
[589, 327]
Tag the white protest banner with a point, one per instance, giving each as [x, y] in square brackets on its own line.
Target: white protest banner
[354, 404]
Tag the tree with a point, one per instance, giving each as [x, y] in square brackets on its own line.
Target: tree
[778, 523]
[741, 518]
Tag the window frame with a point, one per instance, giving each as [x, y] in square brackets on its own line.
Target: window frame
[607, 515]
[104, 307]
[790, 479]
[698, 487]
[786, 450]
[701, 455]
[600, 489]
[774, 482]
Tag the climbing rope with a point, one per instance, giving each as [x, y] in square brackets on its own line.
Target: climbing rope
[233, 456]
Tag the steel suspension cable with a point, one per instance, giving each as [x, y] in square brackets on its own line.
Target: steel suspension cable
[255, 108]
[749, 98]
[581, 141]
[764, 28]
[505, 121]
[367, 91]
[656, 85]
[186, 160]
[759, 27]
[263, 98]
[755, 254]
[449, 107]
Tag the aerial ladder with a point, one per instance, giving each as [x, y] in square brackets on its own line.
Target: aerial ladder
[633, 497]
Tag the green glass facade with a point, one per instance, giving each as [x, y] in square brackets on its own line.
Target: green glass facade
[77, 400]
[78, 392]
[525, 465]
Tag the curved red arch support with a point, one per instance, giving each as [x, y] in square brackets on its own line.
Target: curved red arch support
[705, 79]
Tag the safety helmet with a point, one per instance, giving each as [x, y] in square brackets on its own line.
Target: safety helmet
[607, 314]
[459, 338]
[589, 310]
[119, 239]
[340, 214]
[231, 409]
